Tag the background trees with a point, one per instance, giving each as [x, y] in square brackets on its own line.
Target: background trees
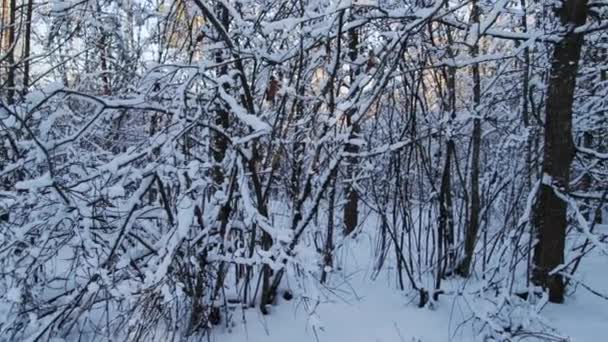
[163, 162]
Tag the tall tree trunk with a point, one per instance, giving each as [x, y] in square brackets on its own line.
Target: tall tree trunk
[10, 57]
[329, 239]
[103, 47]
[351, 208]
[445, 231]
[26, 47]
[3, 23]
[525, 104]
[220, 143]
[550, 220]
[475, 206]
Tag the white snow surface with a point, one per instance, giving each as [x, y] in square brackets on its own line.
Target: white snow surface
[361, 309]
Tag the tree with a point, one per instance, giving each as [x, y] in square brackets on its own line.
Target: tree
[351, 208]
[164, 162]
[475, 205]
[550, 218]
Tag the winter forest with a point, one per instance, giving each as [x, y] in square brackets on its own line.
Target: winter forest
[304, 170]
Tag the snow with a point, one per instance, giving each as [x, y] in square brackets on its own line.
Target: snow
[359, 306]
[122, 209]
[13, 295]
[116, 191]
[34, 184]
[363, 310]
[60, 5]
[185, 218]
[584, 316]
[241, 113]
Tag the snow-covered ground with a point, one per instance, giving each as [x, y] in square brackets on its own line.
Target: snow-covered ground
[362, 309]
[584, 316]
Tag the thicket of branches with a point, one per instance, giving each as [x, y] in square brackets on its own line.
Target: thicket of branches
[164, 162]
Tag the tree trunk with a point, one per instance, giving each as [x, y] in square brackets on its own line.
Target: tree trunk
[329, 239]
[351, 208]
[473, 222]
[550, 219]
[10, 56]
[26, 47]
[220, 143]
[445, 230]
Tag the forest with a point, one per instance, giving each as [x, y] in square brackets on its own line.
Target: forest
[304, 170]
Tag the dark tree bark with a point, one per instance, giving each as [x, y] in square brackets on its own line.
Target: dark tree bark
[550, 219]
[475, 206]
[220, 143]
[351, 208]
[26, 46]
[445, 229]
[329, 239]
[10, 52]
